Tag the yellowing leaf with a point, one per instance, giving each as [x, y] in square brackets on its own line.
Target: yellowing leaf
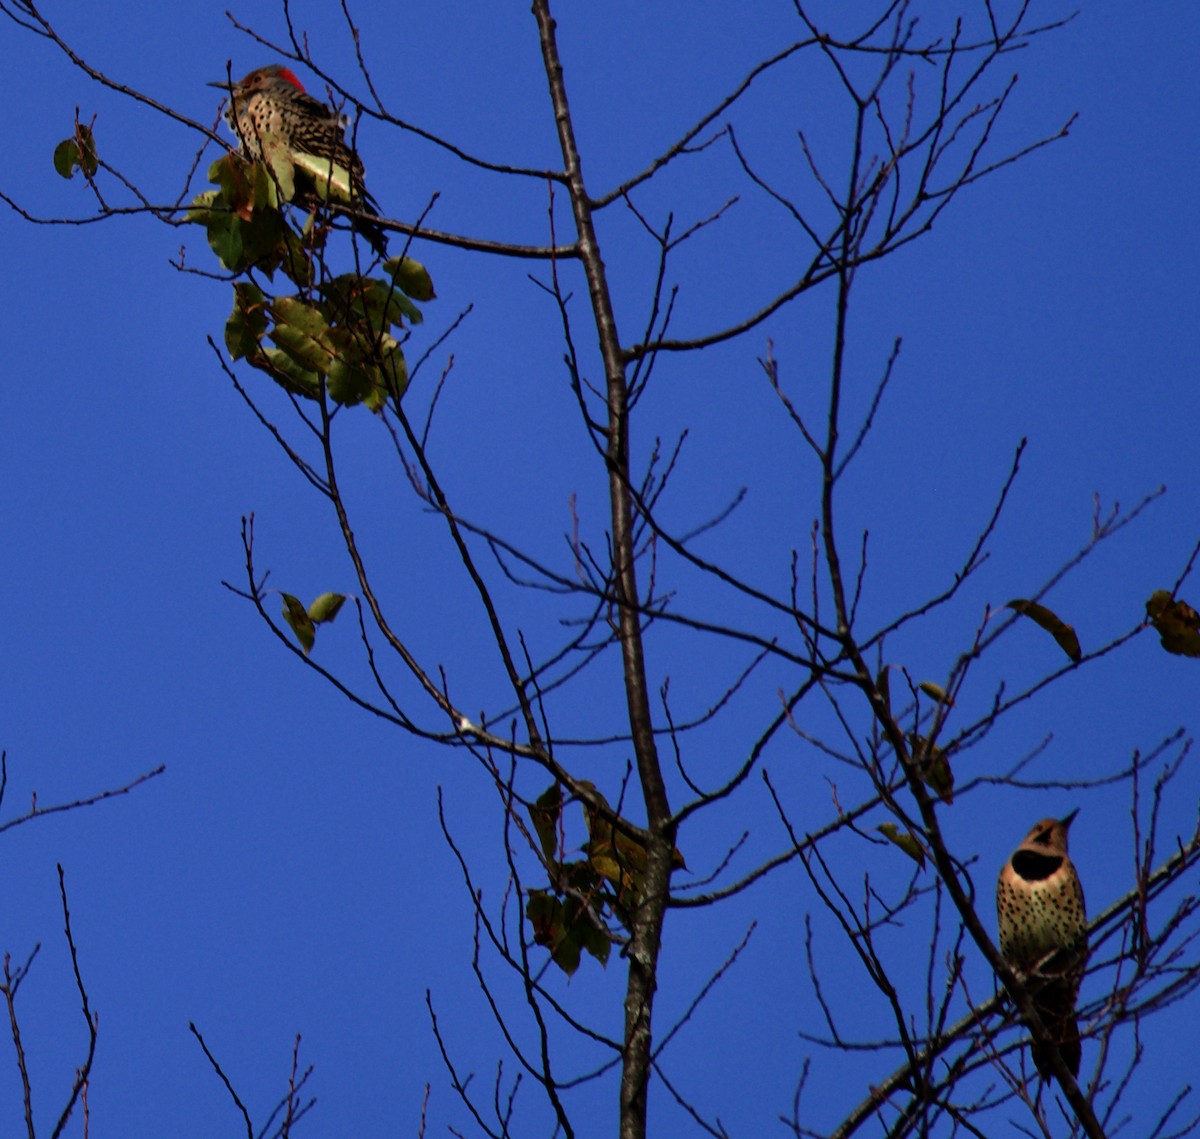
[545, 814]
[548, 918]
[332, 179]
[278, 157]
[1177, 624]
[248, 322]
[297, 617]
[412, 277]
[627, 881]
[616, 856]
[933, 766]
[326, 607]
[935, 692]
[905, 840]
[290, 374]
[1063, 633]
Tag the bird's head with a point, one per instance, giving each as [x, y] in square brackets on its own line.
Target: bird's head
[1051, 834]
[262, 78]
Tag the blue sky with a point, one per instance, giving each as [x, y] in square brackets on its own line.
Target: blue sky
[287, 874]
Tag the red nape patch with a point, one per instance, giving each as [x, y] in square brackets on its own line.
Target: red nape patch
[284, 73]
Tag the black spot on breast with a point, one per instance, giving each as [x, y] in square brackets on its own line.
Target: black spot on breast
[1035, 867]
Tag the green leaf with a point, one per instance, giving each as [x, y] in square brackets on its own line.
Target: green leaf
[326, 608]
[264, 189]
[385, 305]
[217, 169]
[264, 240]
[394, 369]
[539, 909]
[412, 277]
[546, 814]
[248, 323]
[332, 180]
[556, 926]
[290, 375]
[302, 332]
[296, 257]
[1063, 633]
[376, 303]
[301, 315]
[933, 766]
[66, 158]
[584, 930]
[225, 240]
[77, 151]
[277, 160]
[348, 383]
[308, 353]
[585, 891]
[237, 180]
[905, 840]
[565, 925]
[1177, 624]
[593, 939]
[242, 218]
[200, 211]
[297, 617]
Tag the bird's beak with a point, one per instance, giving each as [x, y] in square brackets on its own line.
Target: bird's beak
[1067, 820]
[223, 84]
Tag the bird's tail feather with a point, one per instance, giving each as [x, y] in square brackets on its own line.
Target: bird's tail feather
[1065, 1031]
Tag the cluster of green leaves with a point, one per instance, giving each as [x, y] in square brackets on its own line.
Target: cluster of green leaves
[573, 915]
[337, 335]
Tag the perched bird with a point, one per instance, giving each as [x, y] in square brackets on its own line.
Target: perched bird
[271, 102]
[1039, 904]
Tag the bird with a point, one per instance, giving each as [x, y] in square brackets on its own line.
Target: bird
[1040, 911]
[270, 102]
